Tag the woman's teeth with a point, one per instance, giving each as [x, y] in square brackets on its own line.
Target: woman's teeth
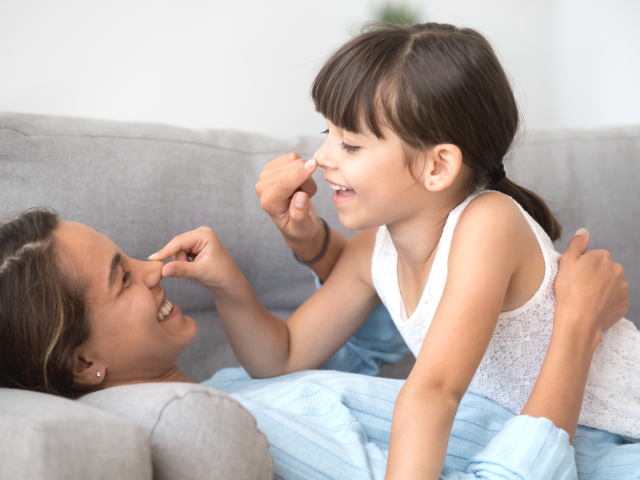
[165, 310]
[339, 187]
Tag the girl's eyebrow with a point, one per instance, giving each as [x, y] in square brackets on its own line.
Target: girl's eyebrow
[113, 269]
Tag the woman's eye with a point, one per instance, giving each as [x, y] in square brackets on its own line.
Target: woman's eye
[349, 148]
[326, 132]
[125, 279]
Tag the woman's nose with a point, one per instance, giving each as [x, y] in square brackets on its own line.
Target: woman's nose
[151, 273]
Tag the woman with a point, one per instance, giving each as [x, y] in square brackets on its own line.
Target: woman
[78, 315]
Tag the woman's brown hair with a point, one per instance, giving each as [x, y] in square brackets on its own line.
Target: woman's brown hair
[43, 312]
[432, 84]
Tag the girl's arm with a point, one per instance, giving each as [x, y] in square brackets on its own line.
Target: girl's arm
[285, 190]
[591, 295]
[486, 252]
[265, 345]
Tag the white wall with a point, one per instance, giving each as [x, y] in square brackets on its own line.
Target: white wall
[249, 64]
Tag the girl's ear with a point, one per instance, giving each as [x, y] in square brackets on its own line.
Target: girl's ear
[443, 166]
[86, 370]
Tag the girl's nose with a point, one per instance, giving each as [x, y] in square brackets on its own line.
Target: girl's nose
[323, 158]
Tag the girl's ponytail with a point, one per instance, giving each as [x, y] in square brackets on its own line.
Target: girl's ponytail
[533, 204]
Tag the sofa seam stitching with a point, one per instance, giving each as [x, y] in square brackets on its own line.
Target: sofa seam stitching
[146, 139]
[224, 398]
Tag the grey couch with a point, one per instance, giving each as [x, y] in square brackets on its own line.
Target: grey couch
[141, 184]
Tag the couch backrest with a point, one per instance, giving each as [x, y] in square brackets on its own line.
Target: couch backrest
[591, 178]
[141, 184]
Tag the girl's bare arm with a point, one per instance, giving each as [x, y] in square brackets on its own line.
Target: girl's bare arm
[265, 345]
[485, 254]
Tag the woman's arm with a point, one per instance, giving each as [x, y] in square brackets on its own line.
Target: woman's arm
[265, 345]
[285, 190]
[591, 296]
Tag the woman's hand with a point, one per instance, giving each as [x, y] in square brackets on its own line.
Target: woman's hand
[198, 255]
[285, 190]
[591, 296]
[590, 288]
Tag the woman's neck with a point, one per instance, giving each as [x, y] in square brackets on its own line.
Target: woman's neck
[172, 375]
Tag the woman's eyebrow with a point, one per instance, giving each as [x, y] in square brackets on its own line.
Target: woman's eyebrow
[114, 267]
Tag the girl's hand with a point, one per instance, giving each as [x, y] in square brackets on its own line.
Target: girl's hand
[589, 288]
[285, 190]
[198, 255]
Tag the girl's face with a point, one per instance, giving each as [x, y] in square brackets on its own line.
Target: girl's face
[131, 339]
[381, 189]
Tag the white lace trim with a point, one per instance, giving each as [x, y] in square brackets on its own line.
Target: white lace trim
[519, 344]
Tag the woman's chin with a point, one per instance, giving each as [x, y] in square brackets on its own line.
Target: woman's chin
[180, 325]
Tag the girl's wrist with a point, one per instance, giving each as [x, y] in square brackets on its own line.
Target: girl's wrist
[309, 250]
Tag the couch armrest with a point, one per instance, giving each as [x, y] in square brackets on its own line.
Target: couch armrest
[53, 438]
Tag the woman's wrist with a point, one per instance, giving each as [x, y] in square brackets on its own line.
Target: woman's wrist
[559, 389]
[576, 329]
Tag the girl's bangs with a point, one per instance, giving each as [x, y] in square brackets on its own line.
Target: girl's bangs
[354, 90]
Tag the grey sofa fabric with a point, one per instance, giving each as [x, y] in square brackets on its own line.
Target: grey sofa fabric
[42, 437]
[195, 432]
[591, 178]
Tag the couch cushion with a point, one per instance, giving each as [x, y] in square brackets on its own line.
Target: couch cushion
[53, 438]
[195, 432]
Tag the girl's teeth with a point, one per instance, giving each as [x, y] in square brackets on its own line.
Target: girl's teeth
[165, 310]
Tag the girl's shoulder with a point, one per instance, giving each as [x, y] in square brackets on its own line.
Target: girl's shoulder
[491, 214]
[493, 226]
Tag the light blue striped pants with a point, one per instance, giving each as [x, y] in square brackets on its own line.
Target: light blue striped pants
[330, 424]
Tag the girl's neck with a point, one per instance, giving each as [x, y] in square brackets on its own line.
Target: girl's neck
[416, 238]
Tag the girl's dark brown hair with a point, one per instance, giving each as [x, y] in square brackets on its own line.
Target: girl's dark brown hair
[43, 312]
[432, 84]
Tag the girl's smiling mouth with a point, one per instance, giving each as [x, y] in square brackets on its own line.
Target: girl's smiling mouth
[339, 187]
[341, 193]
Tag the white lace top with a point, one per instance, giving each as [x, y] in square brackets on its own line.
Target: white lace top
[517, 349]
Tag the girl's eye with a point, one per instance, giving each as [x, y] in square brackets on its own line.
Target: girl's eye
[326, 131]
[349, 148]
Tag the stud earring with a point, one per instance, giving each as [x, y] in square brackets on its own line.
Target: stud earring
[98, 374]
[430, 183]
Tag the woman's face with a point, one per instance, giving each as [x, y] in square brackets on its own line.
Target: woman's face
[131, 339]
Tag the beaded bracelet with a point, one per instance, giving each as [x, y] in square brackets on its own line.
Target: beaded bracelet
[324, 248]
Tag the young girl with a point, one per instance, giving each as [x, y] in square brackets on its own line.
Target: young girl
[419, 121]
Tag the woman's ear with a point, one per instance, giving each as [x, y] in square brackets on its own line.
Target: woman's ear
[443, 166]
[86, 370]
